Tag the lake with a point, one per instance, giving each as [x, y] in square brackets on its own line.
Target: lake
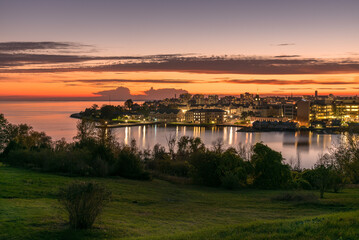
[54, 119]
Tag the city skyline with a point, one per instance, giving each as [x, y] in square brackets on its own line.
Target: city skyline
[67, 49]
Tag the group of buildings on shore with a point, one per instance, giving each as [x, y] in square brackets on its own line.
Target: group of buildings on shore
[305, 110]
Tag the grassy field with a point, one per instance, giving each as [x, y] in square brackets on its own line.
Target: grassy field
[161, 210]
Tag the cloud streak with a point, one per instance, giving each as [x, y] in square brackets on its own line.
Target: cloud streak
[25, 62]
[285, 44]
[165, 63]
[288, 82]
[25, 46]
[104, 81]
[11, 60]
[8, 60]
[286, 56]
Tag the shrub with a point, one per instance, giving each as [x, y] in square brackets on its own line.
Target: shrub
[169, 167]
[302, 184]
[230, 180]
[19, 158]
[216, 168]
[337, 180]
[204, 168]
[162, 162]
[309, 176]
[128, 164]
[83, 202]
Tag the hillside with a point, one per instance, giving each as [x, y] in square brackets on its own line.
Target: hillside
[161, 210]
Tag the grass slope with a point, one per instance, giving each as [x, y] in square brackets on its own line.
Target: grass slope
[161, 210]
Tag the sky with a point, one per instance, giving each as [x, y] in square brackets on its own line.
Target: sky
[145, 48]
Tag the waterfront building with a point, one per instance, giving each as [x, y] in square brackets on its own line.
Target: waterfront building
[167, 115]
[290, 111]
[209, 116]
[267, 110]
[320, 110]
[324, 110]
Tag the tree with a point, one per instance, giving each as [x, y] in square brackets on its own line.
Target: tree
[182, 148]
[4, 136]
[322, 174]
[218, 146]
[86, 131]
[127, 163]
[186, 146]
[245, 151]
[204, 168]
[94, 107]
[196, 144]
[171, 143]
[109, 112]
[105, 137]
[346, 157]
[233, 169]
[128, 104]
[268, 167]
[215, 168]
[23, 136]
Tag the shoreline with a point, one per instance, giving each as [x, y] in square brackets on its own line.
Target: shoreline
[119, 125]
[242, 128]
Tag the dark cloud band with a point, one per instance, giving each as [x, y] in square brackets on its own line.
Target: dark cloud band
[282, 64]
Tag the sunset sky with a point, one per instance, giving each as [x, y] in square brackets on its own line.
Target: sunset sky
[72, 48]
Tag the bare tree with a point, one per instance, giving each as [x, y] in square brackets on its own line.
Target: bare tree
[245, 151]
[218, 145]
[171, 143]
[297, 165]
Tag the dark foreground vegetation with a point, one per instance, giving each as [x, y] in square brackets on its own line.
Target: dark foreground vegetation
[253, 172]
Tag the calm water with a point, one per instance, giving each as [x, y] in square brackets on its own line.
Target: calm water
[53, 118]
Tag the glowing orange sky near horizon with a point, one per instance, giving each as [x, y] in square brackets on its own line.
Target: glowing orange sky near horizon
[55, 85]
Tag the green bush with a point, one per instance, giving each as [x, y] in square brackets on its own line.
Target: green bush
[301, 183]
[128, 164]
[214, 168]
[230, 180]
[269, 170]
[83, 201]
[204, 168]
[170, 167]
[231, 167]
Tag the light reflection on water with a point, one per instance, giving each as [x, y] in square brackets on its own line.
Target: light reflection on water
[307, 145]
[53, 118]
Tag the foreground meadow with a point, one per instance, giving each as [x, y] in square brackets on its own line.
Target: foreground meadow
[157, 209]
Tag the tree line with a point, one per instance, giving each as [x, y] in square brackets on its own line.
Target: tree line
[95, 152]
